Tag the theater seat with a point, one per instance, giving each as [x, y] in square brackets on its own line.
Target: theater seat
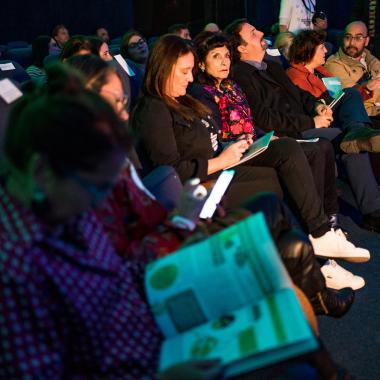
[116, 41]
[23, 56]
[3, 49]
[17, 44]
[163, 182]
[114, 49]
[17, 74]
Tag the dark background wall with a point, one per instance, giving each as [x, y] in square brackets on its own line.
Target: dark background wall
[25, 19]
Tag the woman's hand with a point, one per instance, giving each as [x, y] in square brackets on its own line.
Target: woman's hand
[322, 121]
[233, 152]
[194, 370]
[230, 156]
[247, 137]
[323, 109]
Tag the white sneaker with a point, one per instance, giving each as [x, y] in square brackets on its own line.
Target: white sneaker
[338, 278]
[334, 244]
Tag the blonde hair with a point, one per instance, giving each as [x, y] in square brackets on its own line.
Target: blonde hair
[283, 42]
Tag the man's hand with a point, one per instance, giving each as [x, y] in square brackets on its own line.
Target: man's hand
[373, 84]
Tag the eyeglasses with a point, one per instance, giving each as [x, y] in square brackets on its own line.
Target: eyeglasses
[134, 45]
[120, 100]
[358, 38]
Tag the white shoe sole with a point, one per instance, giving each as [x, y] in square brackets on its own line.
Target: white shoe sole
[331, 285]
[350, 259]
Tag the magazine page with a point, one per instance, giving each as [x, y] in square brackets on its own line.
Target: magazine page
[255, 148]
[203, 281]
[333, 85]
[271, 330]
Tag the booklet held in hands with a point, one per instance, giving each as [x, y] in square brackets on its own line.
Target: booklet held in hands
[255, 148]
[228, 297]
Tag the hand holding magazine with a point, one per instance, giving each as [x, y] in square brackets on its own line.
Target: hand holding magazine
[255, 148]
[228, 297]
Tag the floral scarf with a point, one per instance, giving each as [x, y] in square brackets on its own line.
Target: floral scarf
[234, 110]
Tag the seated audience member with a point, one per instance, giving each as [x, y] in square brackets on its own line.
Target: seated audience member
[62, 285]
[140, 229]
[296, 15]
[60, 35]
[279, 105]
[102, 34]
[212, 27]
[40, 49]
[76, 45]
[180, 30]
[231, 111]
[357, 67]
[134, 47]
[100, 48]
[307, 56]
[63, 288]
[175, 129]
[320, 24]
[103, 79]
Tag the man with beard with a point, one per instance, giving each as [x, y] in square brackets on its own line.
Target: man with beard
[357, 67]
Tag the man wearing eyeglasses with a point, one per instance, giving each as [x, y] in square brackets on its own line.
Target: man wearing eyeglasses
[357, 67]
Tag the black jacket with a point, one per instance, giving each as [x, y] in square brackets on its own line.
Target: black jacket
[276, 103]
[164, 138]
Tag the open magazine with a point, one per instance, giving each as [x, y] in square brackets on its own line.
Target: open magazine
[228, 297]
[335, 89]
[255, 148]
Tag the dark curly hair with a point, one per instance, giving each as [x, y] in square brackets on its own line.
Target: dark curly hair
[304, 46]
[205, 42]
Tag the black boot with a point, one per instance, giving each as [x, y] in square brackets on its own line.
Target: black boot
[334, 303]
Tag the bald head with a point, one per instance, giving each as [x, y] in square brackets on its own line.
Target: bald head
[355, 39]
[212, 27]
[356, 27]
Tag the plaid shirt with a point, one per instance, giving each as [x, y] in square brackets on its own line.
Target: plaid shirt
[68, 307]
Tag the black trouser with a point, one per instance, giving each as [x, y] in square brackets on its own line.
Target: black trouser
[321, 158]
[249, 181]
[287, 157]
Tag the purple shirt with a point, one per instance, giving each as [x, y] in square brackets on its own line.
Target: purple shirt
[69, 308]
